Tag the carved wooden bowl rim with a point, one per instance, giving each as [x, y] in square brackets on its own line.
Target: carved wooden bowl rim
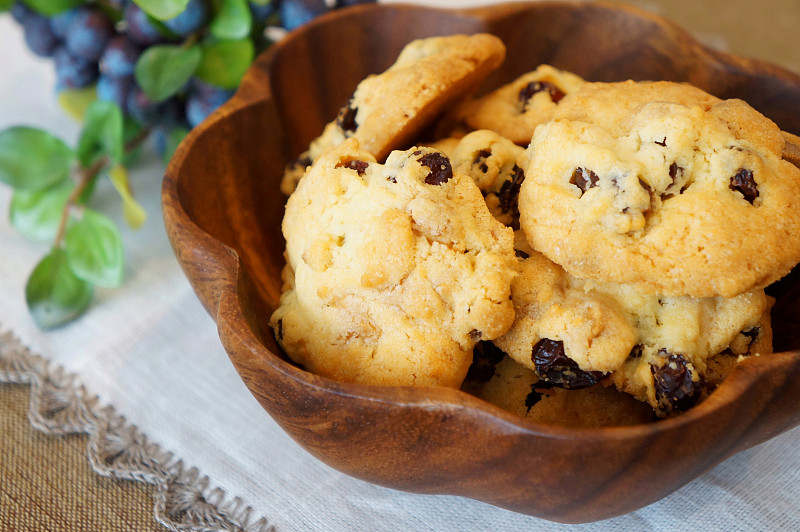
[224, 301]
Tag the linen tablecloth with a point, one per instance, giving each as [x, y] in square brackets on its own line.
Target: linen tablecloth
[149, 351]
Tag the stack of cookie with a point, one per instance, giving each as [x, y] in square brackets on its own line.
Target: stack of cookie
[575, 252]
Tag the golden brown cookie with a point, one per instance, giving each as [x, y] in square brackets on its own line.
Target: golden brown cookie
[394, 271]
[503, 382]
[663, 187]
[574, 333]
[514, 110]
[388, 110]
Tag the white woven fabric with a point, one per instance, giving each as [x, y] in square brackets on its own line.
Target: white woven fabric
[149, 349]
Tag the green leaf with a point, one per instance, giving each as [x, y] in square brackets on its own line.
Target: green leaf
[225, 62]
[133, 213]
[93, 247]
[55, 296]
[131, 133]
[174, 138]
[162, 9]
[5, 5]
[76, 101]
[232, 20]
[102, 133]
[49, 8]
[163, 70]
[36, 214]
[261, 2]
[33, 159]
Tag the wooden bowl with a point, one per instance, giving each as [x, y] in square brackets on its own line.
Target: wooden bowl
[223, 212]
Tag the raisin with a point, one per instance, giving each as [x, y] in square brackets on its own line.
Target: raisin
[743, 182]
[301, 161]
[481, 157]
[509, 191]
[355, 164]
[583, 179]
[441, 170]
[536, 395]
[752, 335]
[675, 171]
[347, 117]
[675, 389]
[555, 366]
[532, 398]
[485, 357]
[650, 193]
[533, 87]
[636, 352]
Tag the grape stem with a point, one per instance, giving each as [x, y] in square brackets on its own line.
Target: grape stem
[85, 178]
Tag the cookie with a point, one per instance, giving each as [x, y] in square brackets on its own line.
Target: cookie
[388, 110]
[503, 382]
[575, 333]
[753, 342]
[663, 187]
[672, 382]
[495, 164]
[394, 271]
[515, 109]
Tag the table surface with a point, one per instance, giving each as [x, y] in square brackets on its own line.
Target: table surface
[151, 335]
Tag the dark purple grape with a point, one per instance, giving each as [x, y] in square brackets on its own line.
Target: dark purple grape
[295, 13]
[140, 107]
[262, 13]
[39, 35]
[346, 3]
[88, 34]
[115, 89]
[120, 56]
[21, 12]
[73, 72]
[160, 140]
[60, 23]
[118, 4]
[171, 113]
[203, 100]
[139, 27]
[147, 112]
[190, 19]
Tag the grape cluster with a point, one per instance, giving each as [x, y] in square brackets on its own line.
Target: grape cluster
[99, 42]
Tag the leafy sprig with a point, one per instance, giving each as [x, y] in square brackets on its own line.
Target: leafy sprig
[52, 185]
[160, 67]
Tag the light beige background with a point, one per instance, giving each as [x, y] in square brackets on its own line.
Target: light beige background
[760, 29]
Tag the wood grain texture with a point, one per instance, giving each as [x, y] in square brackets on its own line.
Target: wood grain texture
[223, 209]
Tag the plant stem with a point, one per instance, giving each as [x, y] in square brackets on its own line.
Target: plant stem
[140, 137]
[85, 178]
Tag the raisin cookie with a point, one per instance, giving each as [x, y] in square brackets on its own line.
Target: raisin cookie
[664, 187]
[672, 381]
[495, 164]
[575, 333]
[388, 110]
[514, 110]
[500, 380]
[394, 271]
